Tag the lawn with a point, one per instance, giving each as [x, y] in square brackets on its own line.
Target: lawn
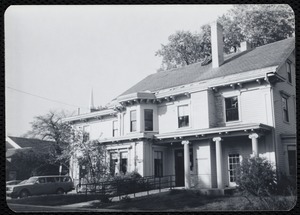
[54, 200]
[182, 200]
[174, 200]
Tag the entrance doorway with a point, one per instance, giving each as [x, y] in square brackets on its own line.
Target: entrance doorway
[179, 168]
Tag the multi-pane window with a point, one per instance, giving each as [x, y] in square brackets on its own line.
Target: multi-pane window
[158, 164]
[86, 133]
[123, 162]
[292, 159]
[115, 128]
[113, 163]
[132, 120]
[231, 109]
[285, 109]
[183, 116]
[289, 71]
[148, 115]
[233, 162]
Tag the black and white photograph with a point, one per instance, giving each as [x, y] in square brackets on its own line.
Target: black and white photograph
[160, 108]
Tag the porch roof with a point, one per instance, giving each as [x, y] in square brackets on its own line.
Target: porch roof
[130, 137]
[213, 132]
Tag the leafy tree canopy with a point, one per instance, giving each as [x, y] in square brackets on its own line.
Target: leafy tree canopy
[51, 127]
[257, 24]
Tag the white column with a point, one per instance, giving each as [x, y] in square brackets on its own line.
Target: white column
[219, 161]
[187, 177]
[254, 137]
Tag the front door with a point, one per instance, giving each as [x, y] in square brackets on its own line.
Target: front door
[179, 168]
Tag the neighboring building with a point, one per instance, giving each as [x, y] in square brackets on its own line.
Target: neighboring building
[199, 121]
[14, 144]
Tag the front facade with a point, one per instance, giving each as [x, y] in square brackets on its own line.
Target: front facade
[198, 122]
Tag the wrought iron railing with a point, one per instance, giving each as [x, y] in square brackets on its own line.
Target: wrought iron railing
[124, 186]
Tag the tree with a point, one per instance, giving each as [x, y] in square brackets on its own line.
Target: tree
[263, 24]
[51, 127]
[183, 49]
[257, 24]
[91, 154]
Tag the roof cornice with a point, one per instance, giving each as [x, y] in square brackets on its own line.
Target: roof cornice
[216, 82]
[91, 115]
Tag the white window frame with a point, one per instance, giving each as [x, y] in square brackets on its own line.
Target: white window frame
[189, 109]
[231, 184]
[285, 97]
[115, 123]
[136, 121]
[146, 109]
[228, 95]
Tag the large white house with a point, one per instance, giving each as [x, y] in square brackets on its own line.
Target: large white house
[199, 121]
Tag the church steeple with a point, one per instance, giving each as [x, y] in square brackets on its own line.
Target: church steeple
[92, 106]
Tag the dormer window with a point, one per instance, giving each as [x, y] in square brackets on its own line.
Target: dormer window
[289, 71]
[232, 109]
[183, 116]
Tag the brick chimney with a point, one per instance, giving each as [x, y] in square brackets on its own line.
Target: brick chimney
[245, 46]
[217, 45]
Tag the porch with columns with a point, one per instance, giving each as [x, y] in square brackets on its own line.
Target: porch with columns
[216, 137]
[219, 157]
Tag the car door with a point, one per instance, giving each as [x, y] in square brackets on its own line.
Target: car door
[51, 185]
[39, 187]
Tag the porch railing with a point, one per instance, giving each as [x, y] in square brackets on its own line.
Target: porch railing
[119, 187]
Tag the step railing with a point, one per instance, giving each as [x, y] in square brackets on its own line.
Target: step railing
[120, 187]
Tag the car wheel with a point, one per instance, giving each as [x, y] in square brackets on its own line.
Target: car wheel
[24, 194]
[60, 191]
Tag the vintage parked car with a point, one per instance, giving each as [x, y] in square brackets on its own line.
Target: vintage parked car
[13, 182]
[40, 185]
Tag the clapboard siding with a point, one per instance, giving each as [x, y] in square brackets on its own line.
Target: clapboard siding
[282, 127]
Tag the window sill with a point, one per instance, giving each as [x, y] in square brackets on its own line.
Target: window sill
[286, 122]
[233, 122]
[184, 128]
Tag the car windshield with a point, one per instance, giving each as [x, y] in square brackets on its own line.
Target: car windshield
[23, 182]
[31, 180]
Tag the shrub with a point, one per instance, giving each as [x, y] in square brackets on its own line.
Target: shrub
[256, 176]
[286, 185]
[105, 199]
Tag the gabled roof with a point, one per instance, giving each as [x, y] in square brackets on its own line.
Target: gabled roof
[269, 55]
[32, 143]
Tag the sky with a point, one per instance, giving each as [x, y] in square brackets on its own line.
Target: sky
[55, 55]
